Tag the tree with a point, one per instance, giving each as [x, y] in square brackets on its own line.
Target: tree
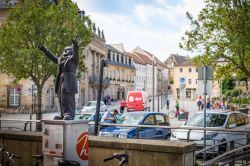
[40, 21]
[221, 32]
[227, 85]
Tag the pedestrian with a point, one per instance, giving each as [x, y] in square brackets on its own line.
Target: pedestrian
[199, 103]
[177, 106]
[167, 102]
[122, 105]
[208, 103]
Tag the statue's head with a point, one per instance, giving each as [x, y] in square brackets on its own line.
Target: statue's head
[67, 51]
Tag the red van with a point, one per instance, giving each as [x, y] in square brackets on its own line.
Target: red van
[137, 101]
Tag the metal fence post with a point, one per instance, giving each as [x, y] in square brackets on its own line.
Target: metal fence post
[232, 162]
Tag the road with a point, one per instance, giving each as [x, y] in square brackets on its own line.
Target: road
[187, 104]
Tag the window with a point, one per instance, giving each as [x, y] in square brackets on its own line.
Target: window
[190, 70]
[109, 57]
[160, 120]
[149, 120]
[188, 93]
[240, 121]
[231, 120]
[181, 70]
[14, 97]
[189, 81]
[51, 96]
[196, 70]
[117, 58]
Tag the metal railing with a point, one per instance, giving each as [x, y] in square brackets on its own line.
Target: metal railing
[26, 122]
[229, 145]
[240, 155]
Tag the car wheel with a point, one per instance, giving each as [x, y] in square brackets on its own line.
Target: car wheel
[168, 136]
[222, 147]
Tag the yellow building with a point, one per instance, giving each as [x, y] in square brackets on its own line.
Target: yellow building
[182, 67]
[120, 71]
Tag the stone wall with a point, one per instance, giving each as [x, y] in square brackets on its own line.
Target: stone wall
[141, 152]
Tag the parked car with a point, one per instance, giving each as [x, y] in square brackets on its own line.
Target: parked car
[139, 118]
[89, 116]
[214, 120]
[137, 101]
[91, 106]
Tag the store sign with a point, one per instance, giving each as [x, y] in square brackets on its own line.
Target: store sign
[82, 146]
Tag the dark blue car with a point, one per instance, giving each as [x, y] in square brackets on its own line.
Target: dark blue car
[139, 118]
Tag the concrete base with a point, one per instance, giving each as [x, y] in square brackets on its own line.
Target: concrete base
[141, 152]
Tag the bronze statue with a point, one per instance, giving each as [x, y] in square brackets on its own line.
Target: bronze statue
[66, 83]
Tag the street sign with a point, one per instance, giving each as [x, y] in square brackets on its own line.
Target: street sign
[200, 88]
[182, 86]
[209, 73]
[182, 82]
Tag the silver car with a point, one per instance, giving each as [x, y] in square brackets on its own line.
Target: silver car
[91, 106]
[214, 120]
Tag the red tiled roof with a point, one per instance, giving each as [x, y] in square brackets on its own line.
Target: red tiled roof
[146, 59]
[136, 58]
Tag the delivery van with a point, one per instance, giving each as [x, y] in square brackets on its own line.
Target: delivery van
[137, 101]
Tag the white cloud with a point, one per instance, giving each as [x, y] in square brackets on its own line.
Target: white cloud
[139, 28]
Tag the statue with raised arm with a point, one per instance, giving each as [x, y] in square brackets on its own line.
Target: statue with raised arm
[66, 83]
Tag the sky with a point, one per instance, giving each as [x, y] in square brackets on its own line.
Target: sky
[154, 25]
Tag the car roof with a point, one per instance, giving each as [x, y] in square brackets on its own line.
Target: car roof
[226, 112]
[146, 113]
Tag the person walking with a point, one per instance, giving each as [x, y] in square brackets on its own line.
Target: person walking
[122, 105]
[199, 103]
[167, 103]
[177, 106]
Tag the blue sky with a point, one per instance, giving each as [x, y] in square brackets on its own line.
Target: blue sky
[154, 25]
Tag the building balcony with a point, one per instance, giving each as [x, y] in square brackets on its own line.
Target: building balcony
[95, 81]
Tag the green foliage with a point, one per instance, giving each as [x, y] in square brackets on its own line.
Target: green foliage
[227, 85]
[221, 33]
[240, 100]
[232, 93]
[235, 92]
[38, 21]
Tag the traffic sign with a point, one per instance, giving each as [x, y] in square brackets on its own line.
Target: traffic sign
[182, 80]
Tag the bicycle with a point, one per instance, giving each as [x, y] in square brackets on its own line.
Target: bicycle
[11, 159]
[172, 114]
[22, 109]
[11, 156]
[38, 158]
[123, 158]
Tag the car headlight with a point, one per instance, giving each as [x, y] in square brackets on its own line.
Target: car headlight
[210, 136]
[123, 135]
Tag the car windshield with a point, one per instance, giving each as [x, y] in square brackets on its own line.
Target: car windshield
[130, 119]
[212, 120]
[92, 117]
[92, 103]
[83, 116]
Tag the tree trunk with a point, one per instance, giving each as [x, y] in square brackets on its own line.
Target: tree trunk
[39, 108]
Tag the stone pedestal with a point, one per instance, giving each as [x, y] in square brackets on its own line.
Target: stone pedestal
[65, 140]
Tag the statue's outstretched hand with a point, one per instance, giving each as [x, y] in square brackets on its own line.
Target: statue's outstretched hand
[75, 42]
[41, 47]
